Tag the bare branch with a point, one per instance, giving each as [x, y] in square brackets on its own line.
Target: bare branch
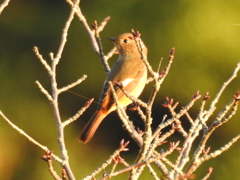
[169, 163]
[20, 131]
[85, 24]
[99, 43]
[134, 99]
[132, 132]
[121, 148]
[110, 53]
[152, 172]
[44, 91]
[43, 61]
[103, 24]
[66, 88]
[78, 114]
[48, 158]
[3, 5]
[65, 31]
[221, 150]
[209, 172]
[234, 75]
[150, 160]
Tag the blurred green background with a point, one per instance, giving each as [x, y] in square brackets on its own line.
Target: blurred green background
[206, 35]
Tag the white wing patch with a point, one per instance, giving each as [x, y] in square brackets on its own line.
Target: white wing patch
[126, 82]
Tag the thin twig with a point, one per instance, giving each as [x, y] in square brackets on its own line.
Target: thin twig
[214, 125]
[148, 131]
[132, 132]
[152, 172]
[134, 99]
[156, 87]
[99, 43]
[20, 131]
[55, 92]
[3, 5]
[213, 104]
[65, 31]
[209, 172]
[176, 117]
[189, 118]
[169, 163]
[86, 26]
[121, 148]
[141, 114]
[43, 61]
[44, 91]
[110, 53]
[150, 160]
[103, 24]
[52, 171]
[221, 150]
[66, 88]
[78, 114]
[194, 165]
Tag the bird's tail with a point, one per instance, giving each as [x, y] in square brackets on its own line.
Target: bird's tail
[91, 127]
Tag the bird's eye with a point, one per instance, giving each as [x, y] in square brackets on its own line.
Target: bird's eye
[125, 41]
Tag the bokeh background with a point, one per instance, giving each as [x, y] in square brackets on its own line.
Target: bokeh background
[206, 35]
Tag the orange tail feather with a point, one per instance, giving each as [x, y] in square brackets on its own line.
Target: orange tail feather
[91, 127]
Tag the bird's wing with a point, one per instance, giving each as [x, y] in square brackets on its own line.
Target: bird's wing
[131, 82]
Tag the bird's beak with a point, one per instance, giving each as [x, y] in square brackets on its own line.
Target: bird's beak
[112, 39]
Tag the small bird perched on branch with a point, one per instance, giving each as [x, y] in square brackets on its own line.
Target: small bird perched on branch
[129, 71]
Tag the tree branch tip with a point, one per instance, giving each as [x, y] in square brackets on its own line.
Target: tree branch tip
[107, 19]
[123, 145]
[206, 96]
[163, 142]
[47, 156]
[168, 102]
[165, 105]
[121, 142]
[238, 65]
[175, 105]
[94, 25]
[89, 102]
[206, 151]
[210, 169]
[174, 145]
[51, 55]
[177, 143]
[196, 95]
[35, 49]
[172, 51]
[136, 34]
[237, 96]
[38, 84]
[178, 149]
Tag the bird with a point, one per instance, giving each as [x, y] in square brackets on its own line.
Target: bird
[129, 71]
